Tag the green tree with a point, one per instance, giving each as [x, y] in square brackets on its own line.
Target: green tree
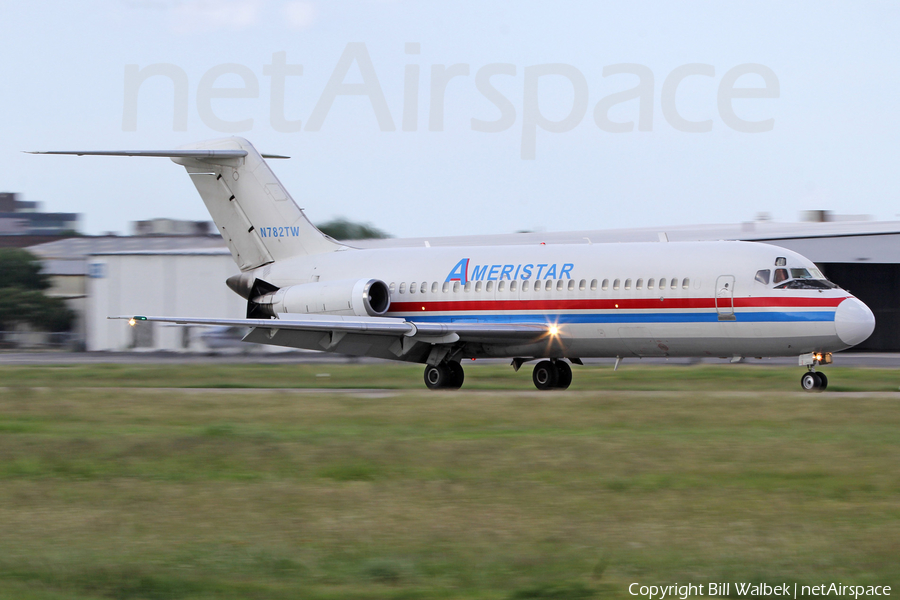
[21, 269]
[344, 229]
[22, 297]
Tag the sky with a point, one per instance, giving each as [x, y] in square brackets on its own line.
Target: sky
[430, 119]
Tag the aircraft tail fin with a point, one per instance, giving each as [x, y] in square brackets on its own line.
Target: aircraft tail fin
[259, 220]
[256, 216]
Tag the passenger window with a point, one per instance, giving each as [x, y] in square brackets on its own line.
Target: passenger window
[650, 283]
[468, 286]
[639, 284]
[501, 287]
[572, 285]
[490, 286]
[434, 287]
[780, 275]
[446, 287]
[685, 283]
[424, 288]
[605, 285]
[412, 287]
[616, 284]
[478, 286]
[549, 285]
[525, 286]
[628, 284]
[455, 286]
[392, 287]
[674, 283]
[582, 285]
[512, 285]
[762, 276]
[559, 285]
[594, 285]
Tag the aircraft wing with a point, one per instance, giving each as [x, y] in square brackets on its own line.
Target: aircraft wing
[433, 333]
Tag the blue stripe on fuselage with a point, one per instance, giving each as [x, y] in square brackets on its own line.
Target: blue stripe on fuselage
[749, 317]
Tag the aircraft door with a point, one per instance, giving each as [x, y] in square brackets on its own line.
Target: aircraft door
[725, 297]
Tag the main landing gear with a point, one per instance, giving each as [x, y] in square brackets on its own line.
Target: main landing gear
[552, 375]
[812, 380]
[444, 376]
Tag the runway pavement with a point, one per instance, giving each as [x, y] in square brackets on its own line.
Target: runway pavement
[850, 359]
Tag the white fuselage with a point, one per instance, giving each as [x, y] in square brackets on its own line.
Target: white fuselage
[641, 299]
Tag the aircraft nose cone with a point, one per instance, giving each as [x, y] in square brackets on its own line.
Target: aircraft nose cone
[853, 321]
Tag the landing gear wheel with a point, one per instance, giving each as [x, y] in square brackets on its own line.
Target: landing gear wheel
[437, 376]
[545, 375]
[457, 376]
[563, 375]
[446, 376]
[823, 381]
[810, 381]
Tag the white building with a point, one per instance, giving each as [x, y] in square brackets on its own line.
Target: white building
[186, 283]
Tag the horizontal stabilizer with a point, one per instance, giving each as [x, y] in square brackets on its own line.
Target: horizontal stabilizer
[160, 153]
[154, 153]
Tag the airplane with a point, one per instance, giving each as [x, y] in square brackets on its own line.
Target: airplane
[551, 303]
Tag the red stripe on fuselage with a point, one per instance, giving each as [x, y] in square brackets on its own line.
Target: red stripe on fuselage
[620, 304]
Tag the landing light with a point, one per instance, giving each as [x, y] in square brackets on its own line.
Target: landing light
[553, 330]
[134, 320]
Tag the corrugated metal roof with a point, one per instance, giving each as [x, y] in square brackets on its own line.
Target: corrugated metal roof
[178, 252]
[85, 246]
[842, 241]
[847, 241]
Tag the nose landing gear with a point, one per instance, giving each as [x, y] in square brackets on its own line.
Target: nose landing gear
[813, 381]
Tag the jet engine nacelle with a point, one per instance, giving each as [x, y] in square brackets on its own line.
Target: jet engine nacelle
[348, 297]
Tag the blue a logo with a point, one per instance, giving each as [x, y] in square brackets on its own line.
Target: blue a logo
[459, 272]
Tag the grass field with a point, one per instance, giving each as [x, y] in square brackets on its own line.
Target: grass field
[110, 488]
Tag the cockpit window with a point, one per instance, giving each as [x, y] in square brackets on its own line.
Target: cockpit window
[801, 274]
[762, 276]
[806, 284]
[801, 278]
